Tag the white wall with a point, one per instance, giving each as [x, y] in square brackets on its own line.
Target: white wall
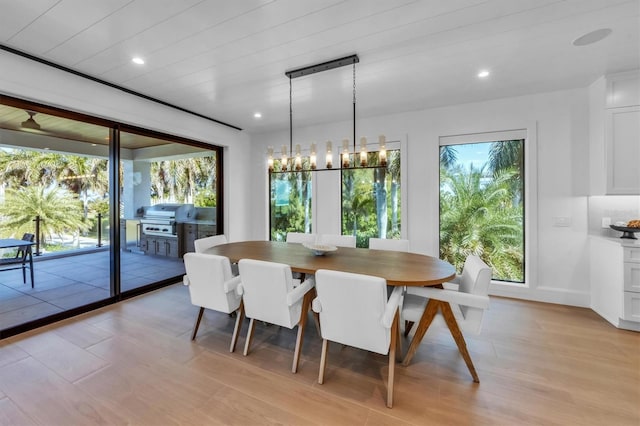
[26, 79]
[559, 122]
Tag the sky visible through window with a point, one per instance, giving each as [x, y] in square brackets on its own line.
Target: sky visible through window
[473, 153]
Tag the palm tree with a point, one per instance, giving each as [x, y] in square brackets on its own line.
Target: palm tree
[448, 156]
[394, 170]
[59, 210]
[478, 216]
[83, 176]
[509, 155]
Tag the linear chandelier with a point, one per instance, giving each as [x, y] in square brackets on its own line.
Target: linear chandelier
[296, 165]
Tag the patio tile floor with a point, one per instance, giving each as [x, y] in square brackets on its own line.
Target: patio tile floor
[69, 282]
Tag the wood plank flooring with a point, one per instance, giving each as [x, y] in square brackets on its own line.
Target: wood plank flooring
[134, 363]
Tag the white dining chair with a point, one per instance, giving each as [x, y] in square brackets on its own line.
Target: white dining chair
[354, 311]
[202, 244]
[301, 237]
[270, 295]
[389, 244]
[213, 286]
[421, 304]
[337, 240]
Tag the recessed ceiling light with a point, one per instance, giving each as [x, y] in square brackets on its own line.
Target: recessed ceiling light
[138, 60]
[46, 148]
[592, 37]
[257, 115]
[93, 144]
[483, 74]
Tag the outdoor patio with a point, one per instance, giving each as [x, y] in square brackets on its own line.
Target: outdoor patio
[63, 283]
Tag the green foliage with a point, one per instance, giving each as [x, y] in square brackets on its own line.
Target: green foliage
[480, 214]
[205, 198]
[290, 203]
[188, 180]
[371, 200]
[59, 210]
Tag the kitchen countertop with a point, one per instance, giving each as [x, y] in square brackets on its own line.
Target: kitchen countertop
[625, 242]
[200, 222]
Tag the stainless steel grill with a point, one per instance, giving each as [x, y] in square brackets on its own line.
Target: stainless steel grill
[161, 219]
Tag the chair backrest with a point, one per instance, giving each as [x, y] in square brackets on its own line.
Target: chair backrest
[475, 279]
[352, 306]
[301, 237]
[337, 240]
[22, 252]
[388, 244]
[207, 274]
[265, 286]
[204, 243]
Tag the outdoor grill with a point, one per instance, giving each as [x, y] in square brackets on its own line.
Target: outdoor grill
[161, 219]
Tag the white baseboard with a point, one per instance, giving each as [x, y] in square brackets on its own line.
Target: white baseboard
[542, 294]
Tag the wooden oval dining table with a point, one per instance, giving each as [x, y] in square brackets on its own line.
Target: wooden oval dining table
[398, 268]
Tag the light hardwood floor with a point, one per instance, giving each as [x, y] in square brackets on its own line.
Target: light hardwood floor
[134, 363]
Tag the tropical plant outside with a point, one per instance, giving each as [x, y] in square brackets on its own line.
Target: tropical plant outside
[481, 209]
[188, 180]
[69, 192]
[59, 210]
[371, 200]
[290, 202]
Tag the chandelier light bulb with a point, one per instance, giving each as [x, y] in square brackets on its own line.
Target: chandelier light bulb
[382, 150]
[329, 158]
[345, 153]
[298, 160]
[283, 161]
[363, 152]
[270, 158]
[313, 157]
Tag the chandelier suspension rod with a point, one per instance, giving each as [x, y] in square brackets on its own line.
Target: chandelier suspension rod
[354, 109]
[290, 118]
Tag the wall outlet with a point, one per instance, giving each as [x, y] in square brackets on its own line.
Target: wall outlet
[606, 221]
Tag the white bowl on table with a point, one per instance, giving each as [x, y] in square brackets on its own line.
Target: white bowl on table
[320, 249]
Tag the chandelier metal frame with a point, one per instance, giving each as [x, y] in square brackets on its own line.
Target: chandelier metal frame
[345, 160]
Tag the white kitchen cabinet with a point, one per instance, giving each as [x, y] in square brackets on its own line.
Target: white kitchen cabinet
[614, 140]
[631, 265]
[623, 150]
[631, 306]
[615, 281]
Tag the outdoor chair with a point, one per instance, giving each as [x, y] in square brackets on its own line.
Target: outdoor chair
[23, 258]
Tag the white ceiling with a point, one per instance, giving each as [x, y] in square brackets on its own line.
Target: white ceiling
[226, 59]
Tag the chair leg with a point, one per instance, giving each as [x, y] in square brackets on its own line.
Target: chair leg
[395, 329]
[197, 324]
[407, 327]
[302, 323]
[450, 319]
[427, 317]
[323, 360]
[247, 343]
[296, 352]
[398, 343]
[237, 327]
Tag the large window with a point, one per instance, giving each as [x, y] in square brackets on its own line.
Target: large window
[290, 203]
[58, 186]
[482, 205]
[371, 200]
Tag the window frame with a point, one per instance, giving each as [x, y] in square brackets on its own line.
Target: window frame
[529, 135]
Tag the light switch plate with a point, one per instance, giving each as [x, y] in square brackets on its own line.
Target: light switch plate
[561, 221]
